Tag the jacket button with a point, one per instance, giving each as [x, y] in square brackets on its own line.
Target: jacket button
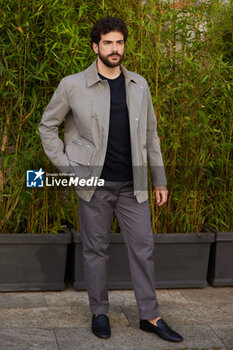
[136, 118]
[88, 163]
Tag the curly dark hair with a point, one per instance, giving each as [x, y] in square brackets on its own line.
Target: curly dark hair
[106, 25]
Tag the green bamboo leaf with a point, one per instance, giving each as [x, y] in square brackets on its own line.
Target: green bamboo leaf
[38, 78]
[5, 160]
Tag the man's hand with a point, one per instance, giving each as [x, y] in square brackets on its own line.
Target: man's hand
[161, 195]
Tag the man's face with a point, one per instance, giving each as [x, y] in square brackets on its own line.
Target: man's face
[111, 49]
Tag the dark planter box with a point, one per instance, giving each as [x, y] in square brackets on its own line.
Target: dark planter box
[220, 271]
[181, 260]
[33, 261]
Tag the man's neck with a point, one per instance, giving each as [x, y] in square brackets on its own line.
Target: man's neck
[108, 72]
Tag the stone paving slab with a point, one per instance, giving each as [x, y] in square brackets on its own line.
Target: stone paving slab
[224, 333]
[27, 339]
[191, 314]
[127, 297]
[65, 316]
[208, 295]
[171, 295]
[44, 317]
[66, 297]
[61, 320]
[21, 299]
[130, 338]
[175, 313]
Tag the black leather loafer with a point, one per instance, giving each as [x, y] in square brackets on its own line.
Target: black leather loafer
[162, 330]
[101, 326]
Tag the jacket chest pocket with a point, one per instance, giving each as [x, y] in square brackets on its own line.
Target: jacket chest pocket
[79, 153]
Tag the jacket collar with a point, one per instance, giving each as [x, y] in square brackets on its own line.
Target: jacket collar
[92, 77]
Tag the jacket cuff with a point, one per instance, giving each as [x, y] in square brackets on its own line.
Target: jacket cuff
[158, 176]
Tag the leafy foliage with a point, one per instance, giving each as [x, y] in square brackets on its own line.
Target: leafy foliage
[185, 53]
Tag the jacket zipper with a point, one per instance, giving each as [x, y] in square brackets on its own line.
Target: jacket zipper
[82, 144]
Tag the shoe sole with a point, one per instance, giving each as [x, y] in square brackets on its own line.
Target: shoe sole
[108, 336]
[148, 330]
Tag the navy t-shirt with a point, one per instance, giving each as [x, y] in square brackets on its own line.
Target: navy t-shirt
[118, 160]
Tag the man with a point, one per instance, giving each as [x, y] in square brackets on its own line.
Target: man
[110, 132]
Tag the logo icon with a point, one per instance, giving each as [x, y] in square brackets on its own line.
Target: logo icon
[35, 178]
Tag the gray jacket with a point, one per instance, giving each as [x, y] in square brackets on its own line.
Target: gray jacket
[83, 99]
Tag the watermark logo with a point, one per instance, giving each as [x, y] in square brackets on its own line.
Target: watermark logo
[35, 178]
[38, 178]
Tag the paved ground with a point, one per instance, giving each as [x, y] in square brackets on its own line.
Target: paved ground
[62, 320]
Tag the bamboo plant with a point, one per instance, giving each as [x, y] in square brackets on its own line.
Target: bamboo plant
[184, 50]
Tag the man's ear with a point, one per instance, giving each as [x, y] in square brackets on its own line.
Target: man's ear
[95, 48]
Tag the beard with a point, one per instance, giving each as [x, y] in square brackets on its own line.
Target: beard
[108, 63]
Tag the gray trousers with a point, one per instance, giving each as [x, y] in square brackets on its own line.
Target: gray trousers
[95, 219]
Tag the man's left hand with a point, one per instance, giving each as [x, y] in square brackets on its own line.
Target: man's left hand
[161, 195]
